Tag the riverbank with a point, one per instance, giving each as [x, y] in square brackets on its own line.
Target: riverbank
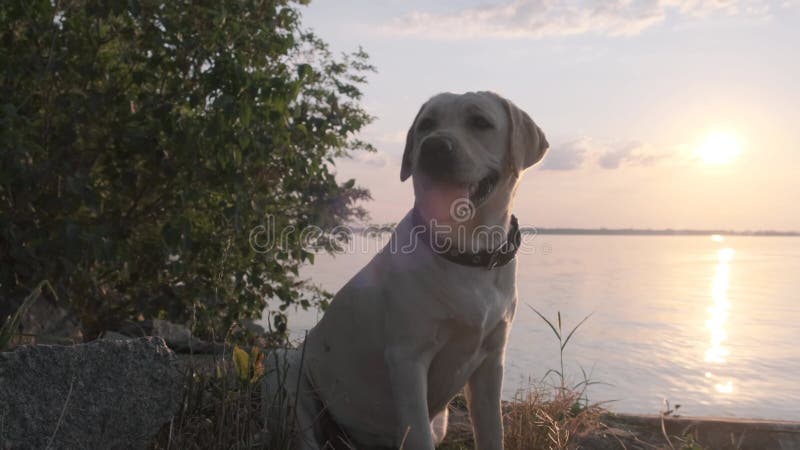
[615, 431]
[550, 418]
[214, 401]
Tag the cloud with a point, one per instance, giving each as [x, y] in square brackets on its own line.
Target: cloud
[384, 138]
[373, 159]
[545, 18]
[609, 155]
[627, 153]
[567, 156]
[394, 137]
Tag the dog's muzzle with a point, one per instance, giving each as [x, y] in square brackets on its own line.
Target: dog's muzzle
[437, 157]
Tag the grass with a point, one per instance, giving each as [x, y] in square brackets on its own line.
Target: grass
[552, 416]
[221, 410]
[221, 407]
[10, 326]
[536, 418]
[562, 344]
[544, 415]
[542, 418]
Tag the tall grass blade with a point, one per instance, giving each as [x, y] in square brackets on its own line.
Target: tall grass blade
[564, 344]
[9, 328]
[549, 371]
[555, 331]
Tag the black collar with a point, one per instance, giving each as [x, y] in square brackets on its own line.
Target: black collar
[501, 256]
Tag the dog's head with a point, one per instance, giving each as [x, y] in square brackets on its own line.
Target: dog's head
[469, 147]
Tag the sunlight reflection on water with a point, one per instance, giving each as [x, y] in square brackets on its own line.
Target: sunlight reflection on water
[717, 352]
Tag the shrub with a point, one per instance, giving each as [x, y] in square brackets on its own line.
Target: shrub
[142, 140]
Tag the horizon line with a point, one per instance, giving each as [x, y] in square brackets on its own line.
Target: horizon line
[622, 231]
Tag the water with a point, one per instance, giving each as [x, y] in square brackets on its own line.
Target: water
[710, 324]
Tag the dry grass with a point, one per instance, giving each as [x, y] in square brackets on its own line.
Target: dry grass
[554, 420]
[546, 417]
[537, 418]
[221, 409]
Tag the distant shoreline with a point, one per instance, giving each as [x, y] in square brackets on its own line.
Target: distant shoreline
[387, 228]
[666, 232]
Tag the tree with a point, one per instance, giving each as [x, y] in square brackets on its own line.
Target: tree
[143, 140]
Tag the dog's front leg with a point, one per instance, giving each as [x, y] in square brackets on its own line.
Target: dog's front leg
[408, 375]
[483, 393]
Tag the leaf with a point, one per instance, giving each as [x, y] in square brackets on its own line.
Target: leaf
[241, 361]
[245, 113]
[257, 357]
[558, 335]
[303, 70]
[564, 344]
[549, 371]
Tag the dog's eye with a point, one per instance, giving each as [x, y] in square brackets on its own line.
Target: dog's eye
[426, 124]
[480, 123]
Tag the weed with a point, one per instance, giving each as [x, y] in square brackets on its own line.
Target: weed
[552, 418]
[9, 328]
[221, 407]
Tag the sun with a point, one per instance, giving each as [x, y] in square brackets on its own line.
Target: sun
[719, 148]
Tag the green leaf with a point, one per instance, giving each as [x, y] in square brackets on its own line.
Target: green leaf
[555, 331]
[246, 113]
[303, 70]
[564, 344]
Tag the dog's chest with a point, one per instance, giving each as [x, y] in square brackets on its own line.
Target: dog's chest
[477, 315]
[463, 349]
[477, 299]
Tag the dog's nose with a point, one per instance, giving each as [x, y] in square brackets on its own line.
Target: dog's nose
[437, 154]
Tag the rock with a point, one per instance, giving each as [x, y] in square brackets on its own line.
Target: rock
[100, 395]
[178, 337]
[253, 326]
[114, 336]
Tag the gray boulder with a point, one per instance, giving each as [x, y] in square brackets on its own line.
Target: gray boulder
[100, 395]
[178, 337]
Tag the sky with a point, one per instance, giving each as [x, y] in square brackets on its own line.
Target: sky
[660, 113]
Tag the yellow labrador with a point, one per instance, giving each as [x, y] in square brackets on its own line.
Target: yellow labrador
[430, 314]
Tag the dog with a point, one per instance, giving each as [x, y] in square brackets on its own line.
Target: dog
[430, 313]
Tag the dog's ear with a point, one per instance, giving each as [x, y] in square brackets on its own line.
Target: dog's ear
[405, 169]
[527, 141]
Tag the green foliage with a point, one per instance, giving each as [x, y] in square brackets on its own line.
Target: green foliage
[142, 140]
